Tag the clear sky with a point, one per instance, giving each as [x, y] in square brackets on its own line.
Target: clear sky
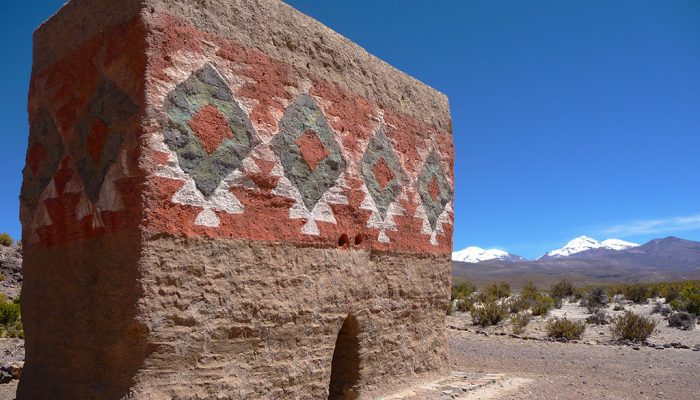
[570, 117]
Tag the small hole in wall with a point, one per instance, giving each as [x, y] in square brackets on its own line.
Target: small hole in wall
[358, 239]
[343, 240]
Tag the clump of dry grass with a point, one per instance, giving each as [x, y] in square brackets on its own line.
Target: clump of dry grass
[564, 328]
[632, 327]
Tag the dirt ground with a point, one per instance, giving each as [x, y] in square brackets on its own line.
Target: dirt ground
[591, 368]
[577, 370]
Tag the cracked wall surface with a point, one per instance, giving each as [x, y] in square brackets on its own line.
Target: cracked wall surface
[230, 180]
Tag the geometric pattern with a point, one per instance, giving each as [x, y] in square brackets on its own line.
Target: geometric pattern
[382, 172]
[435, 192]
[44, 154]
[310, 156]
[207, 129]
[100, 134]
[384, 178]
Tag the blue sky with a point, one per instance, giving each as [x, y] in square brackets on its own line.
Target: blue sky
[570, 117]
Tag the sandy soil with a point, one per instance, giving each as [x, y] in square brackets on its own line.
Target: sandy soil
[8, 390]
[591, 368]
[578, 371]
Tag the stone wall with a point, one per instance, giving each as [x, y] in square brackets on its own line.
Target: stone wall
[212, 190]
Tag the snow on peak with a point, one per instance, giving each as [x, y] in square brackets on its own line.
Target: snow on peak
[617, 244]
[585, 243]
[473, 254]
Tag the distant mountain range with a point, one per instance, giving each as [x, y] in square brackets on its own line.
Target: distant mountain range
[475, 254]
[586, 260]
[582, 245]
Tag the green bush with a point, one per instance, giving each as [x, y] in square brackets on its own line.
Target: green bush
[689, 299]
[10, 323]
[519, 322]
[464, 304]
[636, 293]
[463, 290]
[518, 304]
[670, 291]
[5, 240]
[498, 290]
[561, 290]
[489, 313]
[564, 328]
[542, 304]
[15, 330]
[632, 327]
[9, 313]
[529, 292]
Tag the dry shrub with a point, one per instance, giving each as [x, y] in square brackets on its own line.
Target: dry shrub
[598, 317]
[542, 304]
[595, 298]
[498, 290]
[464, 304]
[520, 321]
[561, 290]
[489, 313]
[5, 240]
[682, 320]
[636, 293]
[463, 290]
[564, 328]
[632, 327]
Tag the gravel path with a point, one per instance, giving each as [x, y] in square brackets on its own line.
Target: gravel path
[579, 371]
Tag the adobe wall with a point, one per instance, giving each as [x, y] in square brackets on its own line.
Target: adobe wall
[229, 180]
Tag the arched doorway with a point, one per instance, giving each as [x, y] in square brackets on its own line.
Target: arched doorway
[345, 367]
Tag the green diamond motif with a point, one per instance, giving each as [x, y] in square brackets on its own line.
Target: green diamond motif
[382, 172]
[434, 189]
[208, 162]
[311, 177]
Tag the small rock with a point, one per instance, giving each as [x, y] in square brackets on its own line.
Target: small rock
[5, 377]
[659, 347]
[514, 336]
[16, 369]
[635, 347]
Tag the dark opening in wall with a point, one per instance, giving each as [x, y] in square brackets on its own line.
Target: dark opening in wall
[345, 367]
[358, 239]
[343, 240]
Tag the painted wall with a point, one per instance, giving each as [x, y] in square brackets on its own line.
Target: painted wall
[211, 190]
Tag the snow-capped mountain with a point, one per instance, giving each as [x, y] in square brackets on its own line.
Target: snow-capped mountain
[475, 254]
[585, 243]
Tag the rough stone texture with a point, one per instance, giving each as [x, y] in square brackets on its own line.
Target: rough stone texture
[213, 189]
[246, 319]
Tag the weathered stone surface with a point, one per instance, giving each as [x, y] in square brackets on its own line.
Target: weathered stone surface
[225, 199]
